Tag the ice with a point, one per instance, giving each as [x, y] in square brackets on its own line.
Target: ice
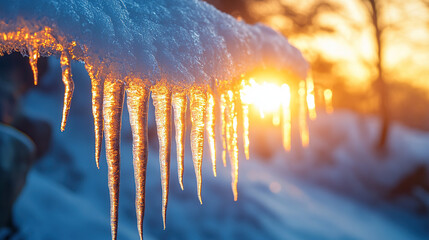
[112, 112]
[69, 87]
[97, 109]
[161, 97]
[179, 103]
[198, 102]
[33, 57]
[223, 126]
[142, 46]
[69, 199]
[210, 128]
[232, 139]
[138, 104]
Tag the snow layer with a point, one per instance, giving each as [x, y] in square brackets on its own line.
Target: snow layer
[183, 41]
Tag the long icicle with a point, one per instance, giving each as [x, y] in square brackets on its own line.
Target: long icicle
[161, 96]
[210, 128]
[286, 111]
[229, 120]
[233, 141]
[245, 112]
[223, 126]
[245, 108]
[69, 86]
[97, 109]
[33, 57]
[198, 104]
[112, 111]
[137, 101]
[179, 106]
[303, 127]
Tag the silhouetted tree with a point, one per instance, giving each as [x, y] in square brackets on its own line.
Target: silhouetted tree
[380, 84]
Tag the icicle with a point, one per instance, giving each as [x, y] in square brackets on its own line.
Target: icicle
[161, 97]
[232, 141]
[246, 129]
[137, 101]
[198, 104]
[229, 120]
[69, 86]
[303, 128]
[210, 128]
[311, 105]
[245, 112]
[112, 111]
[179, 106]
[223, 126]
[33, 57]
[286, 117]
[97, 109]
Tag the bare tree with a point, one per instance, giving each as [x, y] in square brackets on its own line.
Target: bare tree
[380, 84]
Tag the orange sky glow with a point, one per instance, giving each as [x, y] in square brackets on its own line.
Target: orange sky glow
[406, 51]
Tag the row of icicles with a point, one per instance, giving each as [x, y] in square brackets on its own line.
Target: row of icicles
[107, 105]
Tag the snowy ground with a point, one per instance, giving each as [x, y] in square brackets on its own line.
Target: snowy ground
[66, 197]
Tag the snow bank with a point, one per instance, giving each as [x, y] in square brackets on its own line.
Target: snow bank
[183, 41]
[341, 157]
[346, 158]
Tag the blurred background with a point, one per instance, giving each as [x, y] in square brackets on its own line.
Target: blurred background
[364, 173]
[365, 50]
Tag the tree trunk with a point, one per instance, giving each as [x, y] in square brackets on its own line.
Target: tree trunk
[380, 83]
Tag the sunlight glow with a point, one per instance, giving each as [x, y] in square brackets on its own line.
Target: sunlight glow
[286, 118]
[328, 100]
[303, 128]
[268, 98]
[310, 98]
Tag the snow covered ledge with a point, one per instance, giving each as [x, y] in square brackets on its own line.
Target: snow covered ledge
[172, 49]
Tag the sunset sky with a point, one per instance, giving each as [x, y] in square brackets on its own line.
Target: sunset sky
[406, 39]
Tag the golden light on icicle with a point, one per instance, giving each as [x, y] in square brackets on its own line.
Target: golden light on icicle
[33, 55]
[69, 86]
[303, 127]
[137, 103]
[198, 102]
[311, 104]
[245, 110]
[179, 103]
[286, 114]
[232, 140]
[161, 96]
[223, 126]
[97, 108]
[112, 111]
[210, 128]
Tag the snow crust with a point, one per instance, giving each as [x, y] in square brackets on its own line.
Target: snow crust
[183, 41]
